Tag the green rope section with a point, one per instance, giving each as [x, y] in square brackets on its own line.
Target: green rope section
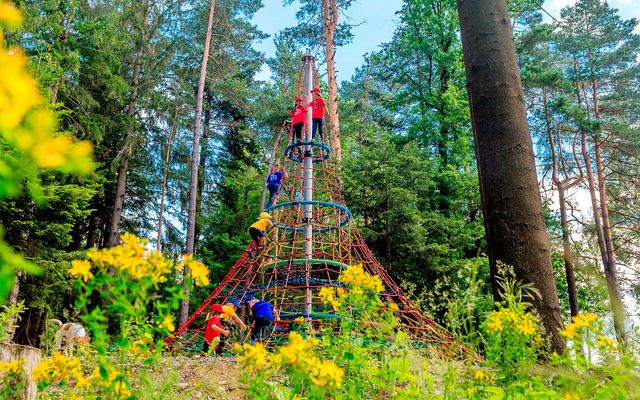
[304, 261]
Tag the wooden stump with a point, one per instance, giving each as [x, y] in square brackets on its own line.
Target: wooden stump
[31, 355]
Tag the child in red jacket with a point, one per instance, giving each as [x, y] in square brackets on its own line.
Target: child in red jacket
[214, 327]
[298, 117]
[317, 113]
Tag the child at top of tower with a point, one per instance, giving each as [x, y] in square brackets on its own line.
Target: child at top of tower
[264, 314]
[317, 113]
[274, 180]
[258, 229]
[298, 117]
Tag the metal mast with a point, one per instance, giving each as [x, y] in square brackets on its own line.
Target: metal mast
[307, 165]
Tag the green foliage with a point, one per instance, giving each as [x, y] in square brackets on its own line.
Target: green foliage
[9, 316]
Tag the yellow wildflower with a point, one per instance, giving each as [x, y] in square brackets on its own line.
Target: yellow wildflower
[357, 278]
[471, 390]
[494, 324]
[199, 273]
[10, 15]
[252, 356]
[326, 373]
[393, 307]
[478, 374]
[81, 268]
[12, 367]
[18, 90]
[167, 323]
[570, 396]
[606, 342]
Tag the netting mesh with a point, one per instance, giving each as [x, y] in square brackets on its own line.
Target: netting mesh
[283, 274]
[289, 274]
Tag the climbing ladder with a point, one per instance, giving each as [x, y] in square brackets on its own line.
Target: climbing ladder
[315, 240]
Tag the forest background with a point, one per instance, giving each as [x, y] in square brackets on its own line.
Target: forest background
[123, 75]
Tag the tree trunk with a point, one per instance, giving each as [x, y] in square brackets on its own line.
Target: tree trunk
[31, 355]
[567, 254]
[514, 220]
[202, 162]
[165, 176]
[610, 267]
[330, 23]
[113, 235]
[274, 152]
[191, 220]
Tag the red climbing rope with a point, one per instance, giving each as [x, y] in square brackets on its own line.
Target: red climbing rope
[283, 273]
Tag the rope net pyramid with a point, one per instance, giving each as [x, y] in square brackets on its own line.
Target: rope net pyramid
[314, 242]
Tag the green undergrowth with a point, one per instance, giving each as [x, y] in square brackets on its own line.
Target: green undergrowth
[371, 357]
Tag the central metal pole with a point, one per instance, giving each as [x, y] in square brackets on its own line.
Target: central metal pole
[307, 164]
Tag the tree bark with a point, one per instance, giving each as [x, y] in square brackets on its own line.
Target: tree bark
[330, 16]
[113, 234]
[610, 267]
[32, 357]
[191, 219]
[165, 177]
[567, 254]
[514, 220]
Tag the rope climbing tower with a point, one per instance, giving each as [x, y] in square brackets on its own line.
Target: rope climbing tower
[314, 242]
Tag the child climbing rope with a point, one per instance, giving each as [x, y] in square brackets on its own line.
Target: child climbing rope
[273, 182]
[213, 328]
[257, 232]
[231, 322]
[298, 116]
[264, 314]
[317, 113]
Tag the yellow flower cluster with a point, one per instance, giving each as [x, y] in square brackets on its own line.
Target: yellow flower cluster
[570, 396]
[480, 375]
[328, 296]
[252, 356]
[199, 272]
[296, 356]
[9, 15]
[167, 323]
[12, 367]
[29, 129]
[523, 323]
[59, 368]
[357, 279]
[81, 269]
[580, 322]
[606, 343]
[131, 258]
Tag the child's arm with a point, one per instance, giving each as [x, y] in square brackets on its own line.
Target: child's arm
[239, 322]
[276, 314]
[220, 330]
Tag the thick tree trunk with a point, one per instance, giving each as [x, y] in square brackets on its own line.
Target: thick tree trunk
[514, 221]
[330, 23]
[32, 356]
[165, 176]
[191, 220]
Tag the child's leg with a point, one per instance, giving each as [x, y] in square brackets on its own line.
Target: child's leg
[314, 128]
[320, 129]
